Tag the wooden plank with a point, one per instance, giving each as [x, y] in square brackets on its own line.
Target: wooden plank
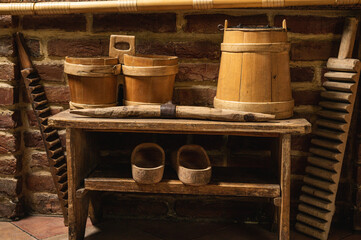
[314, 232]
[316, 212]
[343, 65]
[66, 119]
[348, 38]
[342, 76]
[312, 221]
[333, 115]
[332, 124]
[336, 96]
[328, 175]
[177, 187]
[322, 184]
[325, 143]
[314, 201]
[338, 106]
[317, 192]
[324, 163]
[333, 135]
[339, 86]
[326, 153]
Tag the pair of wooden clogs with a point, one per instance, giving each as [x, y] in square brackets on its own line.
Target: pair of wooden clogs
[191, 163]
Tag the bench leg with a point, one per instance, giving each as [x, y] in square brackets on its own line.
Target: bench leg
[285, 182]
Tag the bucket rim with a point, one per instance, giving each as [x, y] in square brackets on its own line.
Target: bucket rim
[152, 56]
[97, 60]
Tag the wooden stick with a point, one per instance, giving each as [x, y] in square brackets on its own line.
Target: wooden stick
[38, 8]
[190, 112]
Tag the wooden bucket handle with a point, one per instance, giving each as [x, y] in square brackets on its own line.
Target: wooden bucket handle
[114, 52]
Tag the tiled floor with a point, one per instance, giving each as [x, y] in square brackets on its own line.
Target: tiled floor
[52, 228]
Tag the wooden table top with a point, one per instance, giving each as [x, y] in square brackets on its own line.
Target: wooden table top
[289, 126]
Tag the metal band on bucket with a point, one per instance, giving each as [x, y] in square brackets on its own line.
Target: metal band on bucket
[255, 47]
[150, 71]
[91, 70]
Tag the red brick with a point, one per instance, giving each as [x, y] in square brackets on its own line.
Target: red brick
[198, 72]
[10, 165]
[33, 139]
[50, 72]
[237, 143]
[9, 142]
[306, 97]
[70, 23]
[11, 186]
[323, 71]
[158, 23]
[302, 74]
[171, 141]
[314, 50]
[358, 174]
[39, 160]
[209, 142]
[11, 209]
[8, 71]
[225, 209]
[32, 119]
[10, 119]
[311, 24]
[115, 205]
[8, 21]
[182, 49]
[6, 46]
[357, 219]
[344, 192]
[9, 94]
[301, 142]
[298, 165]
[194, 96]
[296, 189]
[78, 47]
[208, 23]
[40, 182]
[251, 159]
[44, 203]
[57, 94]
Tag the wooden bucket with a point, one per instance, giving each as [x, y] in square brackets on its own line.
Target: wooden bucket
[149, 79]
[254, 73]
[92, 81]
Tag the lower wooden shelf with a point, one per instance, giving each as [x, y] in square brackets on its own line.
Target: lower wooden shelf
[121, 181]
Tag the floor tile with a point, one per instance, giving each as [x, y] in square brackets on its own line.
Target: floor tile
[10, 232]
[43, 227]
[176, 230]
[110, 231]
[240, 232]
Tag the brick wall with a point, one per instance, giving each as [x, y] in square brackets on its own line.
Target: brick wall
[194, 38]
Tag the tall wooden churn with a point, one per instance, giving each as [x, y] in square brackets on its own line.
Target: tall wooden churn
[254, 73]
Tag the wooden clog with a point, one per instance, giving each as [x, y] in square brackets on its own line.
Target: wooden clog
[147, 163]
[192, 165]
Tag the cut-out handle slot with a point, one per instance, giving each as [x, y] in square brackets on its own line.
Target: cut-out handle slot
[120, 45]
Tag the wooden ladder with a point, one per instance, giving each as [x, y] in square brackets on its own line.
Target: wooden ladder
[330, 137]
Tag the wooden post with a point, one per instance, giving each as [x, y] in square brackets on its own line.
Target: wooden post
[80, 163]
[285, 182]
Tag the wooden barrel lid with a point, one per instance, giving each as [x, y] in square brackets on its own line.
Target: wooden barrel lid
[92, 60]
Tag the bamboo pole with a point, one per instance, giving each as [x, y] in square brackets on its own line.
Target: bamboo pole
[39, 8]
